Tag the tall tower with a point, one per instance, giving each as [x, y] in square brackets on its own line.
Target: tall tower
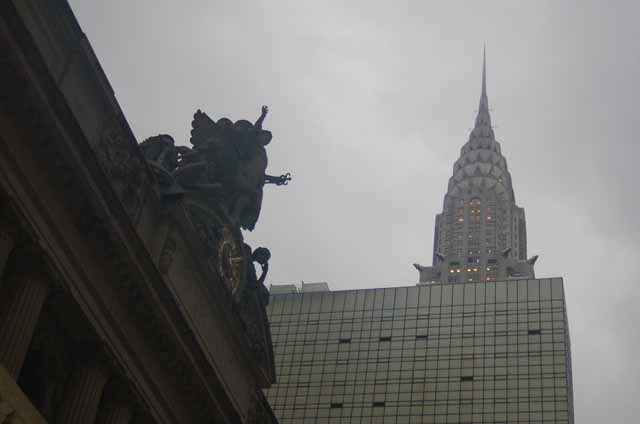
[481, 233]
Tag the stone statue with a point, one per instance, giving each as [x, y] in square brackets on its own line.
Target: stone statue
[161, 155]
[215, 186]
[228, 162]
[220, 179]
[260, 256]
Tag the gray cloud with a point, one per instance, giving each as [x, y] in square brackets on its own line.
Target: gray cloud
[371, 102]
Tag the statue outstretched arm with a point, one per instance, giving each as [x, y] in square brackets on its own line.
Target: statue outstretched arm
[263, 114]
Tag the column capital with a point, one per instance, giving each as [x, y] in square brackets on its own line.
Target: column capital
[7, 242]
[83, 392]
[117, 404]
[21, 303]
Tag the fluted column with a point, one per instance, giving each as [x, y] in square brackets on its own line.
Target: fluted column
[21, 301]
[6, 246]
[83, 393]
[116, 406]
[142, 418]
[117, 412]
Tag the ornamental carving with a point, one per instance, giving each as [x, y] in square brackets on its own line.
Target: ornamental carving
[231, 261]
[226, 164]
[219, 181]
[166, 256]
[223, 246]
[122, 164]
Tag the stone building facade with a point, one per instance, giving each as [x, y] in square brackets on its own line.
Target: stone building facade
[127, 293]
[481, 233]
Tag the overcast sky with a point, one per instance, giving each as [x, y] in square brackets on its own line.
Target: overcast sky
[370, 104]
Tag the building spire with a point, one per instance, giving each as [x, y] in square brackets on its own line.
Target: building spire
[483, 120]
[484, 71]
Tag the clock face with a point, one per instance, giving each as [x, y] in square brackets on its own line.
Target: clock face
[231, 262]
[225, 247]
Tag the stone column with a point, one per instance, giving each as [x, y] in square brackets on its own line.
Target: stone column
[118, 412]
[6, 246]
[116, 406]
[82, 394]
[21, 302]
[142, 418]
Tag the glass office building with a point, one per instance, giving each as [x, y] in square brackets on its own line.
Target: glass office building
[493, 352]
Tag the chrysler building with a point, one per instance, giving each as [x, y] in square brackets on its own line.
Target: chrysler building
[481, 233]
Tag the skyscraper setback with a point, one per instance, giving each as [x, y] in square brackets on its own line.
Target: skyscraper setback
[481, 233]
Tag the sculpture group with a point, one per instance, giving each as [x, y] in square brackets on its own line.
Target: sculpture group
[220, 179]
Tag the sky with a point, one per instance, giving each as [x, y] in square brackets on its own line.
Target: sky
[370, 103]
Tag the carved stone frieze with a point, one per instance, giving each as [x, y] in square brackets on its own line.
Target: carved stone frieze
[161, 154]
[166, 256]
[52, 154]
[232, 175]
[40, 112]
[122, 163]
[219, 182]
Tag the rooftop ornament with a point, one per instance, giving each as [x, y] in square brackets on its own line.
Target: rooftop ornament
[218, 181]
[227, 162]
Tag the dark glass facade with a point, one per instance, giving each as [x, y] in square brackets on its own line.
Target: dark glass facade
[495, 352]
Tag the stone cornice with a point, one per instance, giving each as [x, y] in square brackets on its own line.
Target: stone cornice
[59, 145]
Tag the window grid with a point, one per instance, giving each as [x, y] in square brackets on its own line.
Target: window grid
[517, 376]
